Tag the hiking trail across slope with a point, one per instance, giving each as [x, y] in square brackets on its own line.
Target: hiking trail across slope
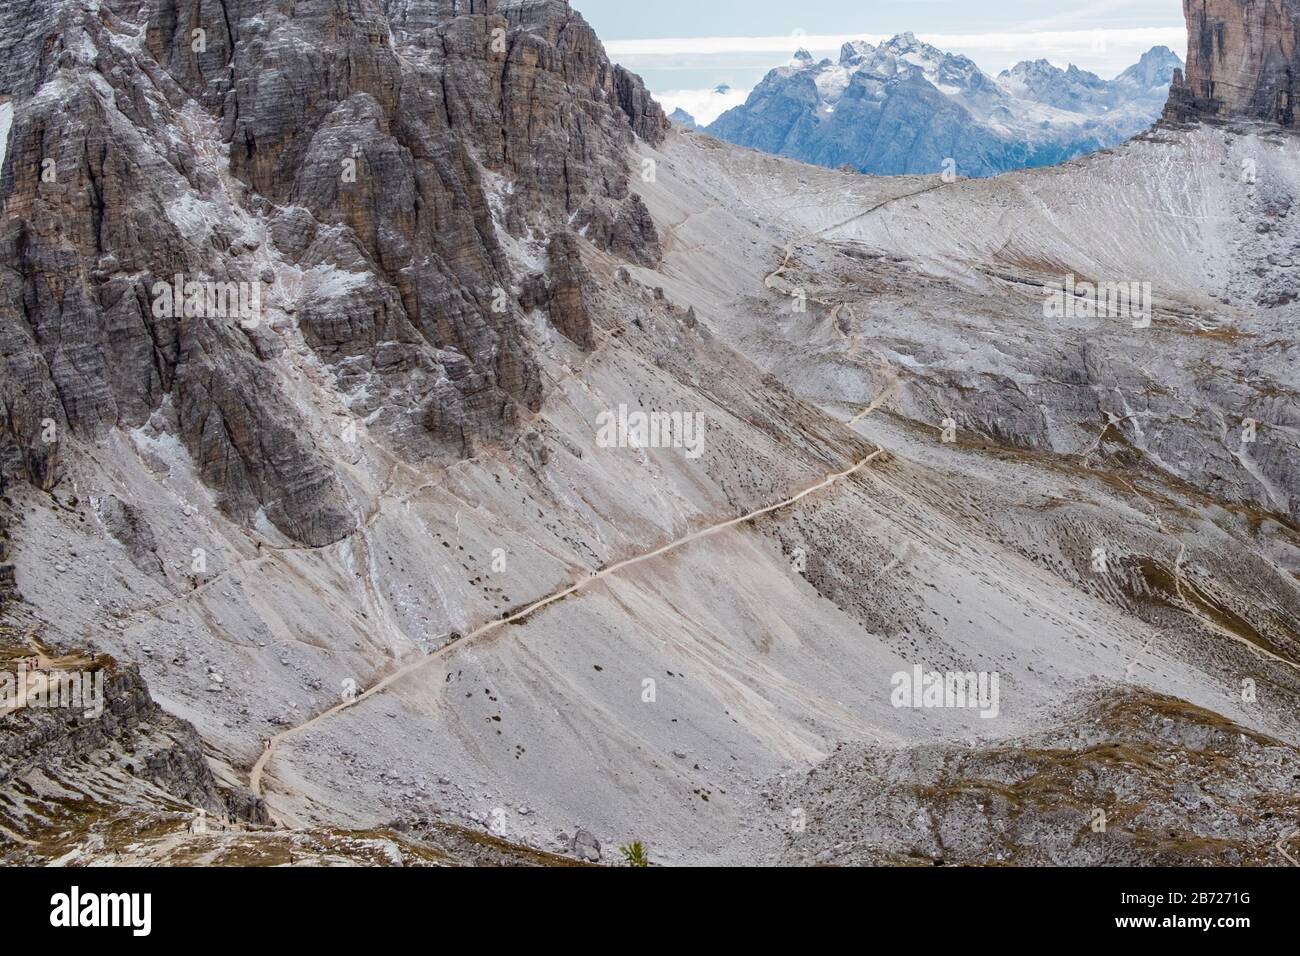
[259, 768]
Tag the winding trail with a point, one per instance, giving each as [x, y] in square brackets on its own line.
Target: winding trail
[817, 233]
[1181, 582]
[259, 767]
[255, 775]
[1182, 585]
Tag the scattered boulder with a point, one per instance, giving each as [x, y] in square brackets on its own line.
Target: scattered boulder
[585, 846]
[130, 529]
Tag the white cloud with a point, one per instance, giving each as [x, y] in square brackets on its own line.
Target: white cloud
[704, 105]
[1106, 51]
[1078, 39]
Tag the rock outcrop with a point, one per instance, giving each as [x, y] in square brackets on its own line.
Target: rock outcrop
[130, 528]
[1242, 61]
[348, 172]
[124, 752]
[1138, 779]
[166, 751]
[563, 291]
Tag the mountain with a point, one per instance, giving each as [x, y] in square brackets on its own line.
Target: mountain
[231, 239]
[365, 206]
[683, 118]
[1151, 76]
[908, 107]
[443, 458]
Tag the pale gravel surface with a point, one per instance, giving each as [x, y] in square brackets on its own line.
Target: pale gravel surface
[956, 556]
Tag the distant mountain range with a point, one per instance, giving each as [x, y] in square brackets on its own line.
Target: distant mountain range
[680, 115]
[908, 107]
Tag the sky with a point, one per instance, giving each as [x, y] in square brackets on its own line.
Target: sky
[685, 48]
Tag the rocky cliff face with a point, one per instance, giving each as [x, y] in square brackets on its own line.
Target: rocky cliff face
[432, 202]
[125, 756]
[350, 173]
[1242, 61]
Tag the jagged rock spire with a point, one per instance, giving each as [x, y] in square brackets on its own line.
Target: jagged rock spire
[1242, 61]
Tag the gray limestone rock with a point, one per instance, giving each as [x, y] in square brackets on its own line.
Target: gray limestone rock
[131, 529]
[585, 847]
[379, 181]
[1242, 60]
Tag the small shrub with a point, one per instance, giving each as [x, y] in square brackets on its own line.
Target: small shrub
[634, 854]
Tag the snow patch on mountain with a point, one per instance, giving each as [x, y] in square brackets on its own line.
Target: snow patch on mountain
[6, 121]
[906, 106]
